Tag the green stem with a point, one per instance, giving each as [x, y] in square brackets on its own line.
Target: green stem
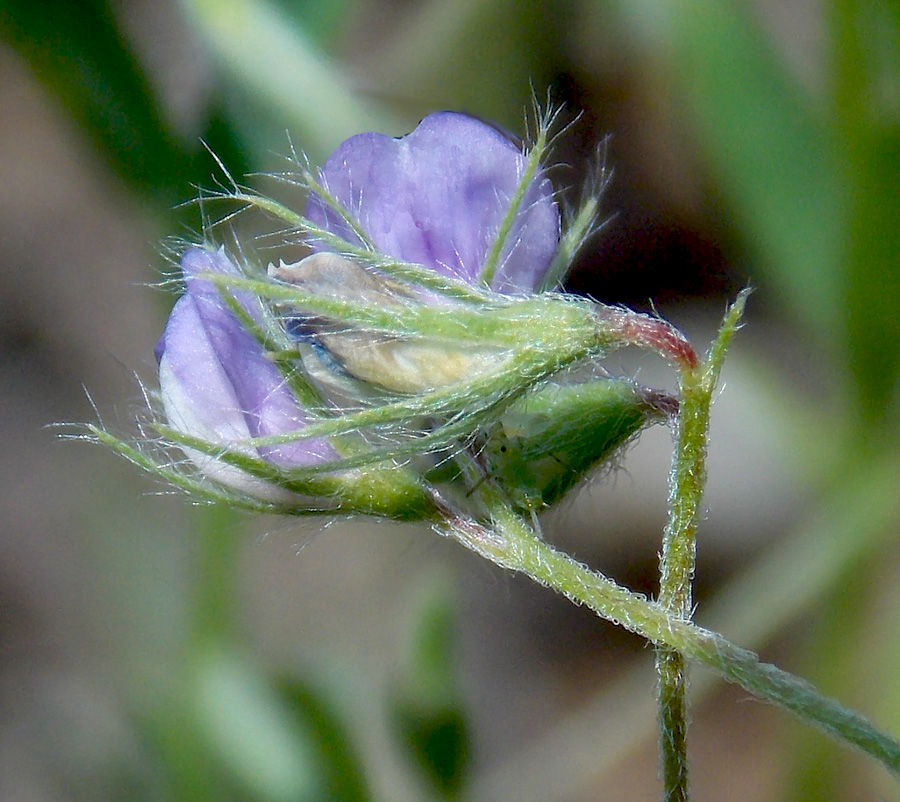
[677, 563]
[671, 667]
[678, 558]
[686, 491]
[854, 524]
[511, 543]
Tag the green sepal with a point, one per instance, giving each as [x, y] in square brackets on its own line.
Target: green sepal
[385, 490]
[548, 441]
[388, 491]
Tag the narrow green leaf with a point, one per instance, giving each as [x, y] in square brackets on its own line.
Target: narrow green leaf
[339, 763]
[274, 62]
[79, 54]
[247, 729]
[769, 150]
[866, 39]
[427, 710]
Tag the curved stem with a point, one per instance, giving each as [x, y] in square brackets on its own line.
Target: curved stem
[858, 517]
[513, 544]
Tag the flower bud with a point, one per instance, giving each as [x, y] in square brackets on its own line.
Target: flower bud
[411, 330]
[218, 385]
[395, 362]
[547, 442]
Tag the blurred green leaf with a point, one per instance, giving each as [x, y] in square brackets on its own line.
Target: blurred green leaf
[241, 717]
[79, 54]
[817, 765]
[276, 65]
[187, 769]
[770, 152]
[431, 664]
[872, 290]
[218, 539]
[341, 768]
[321, 19]
[426, 710]
[437, 741]
[866, 40]
[76, 50]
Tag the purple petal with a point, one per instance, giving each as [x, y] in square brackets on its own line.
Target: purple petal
[438, 196]
[197, 261]
[216, 381]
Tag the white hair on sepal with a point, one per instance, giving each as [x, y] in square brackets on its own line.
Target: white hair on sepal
[580, 222]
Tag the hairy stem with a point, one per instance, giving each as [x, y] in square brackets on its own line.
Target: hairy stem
[678, 557]
[511, 543]
[677, 562]
[671, 668]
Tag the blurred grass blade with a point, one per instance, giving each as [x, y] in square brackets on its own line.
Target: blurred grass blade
[321, 19]
[77, 52]
[771, 154]
[339, 763]
[250, 731]
[275, 62]
[872, 290]
[866, 38]
[426, 709]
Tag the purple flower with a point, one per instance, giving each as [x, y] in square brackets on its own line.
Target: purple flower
[438, 197]
[217, 383]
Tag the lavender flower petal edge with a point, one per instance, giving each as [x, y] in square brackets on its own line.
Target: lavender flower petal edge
[438, 197]
[217, 383]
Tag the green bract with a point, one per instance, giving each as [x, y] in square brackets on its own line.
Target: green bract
[548, 441]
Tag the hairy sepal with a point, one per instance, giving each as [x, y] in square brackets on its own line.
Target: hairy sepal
[548, 441]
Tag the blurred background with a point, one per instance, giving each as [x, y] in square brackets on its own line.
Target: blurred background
[154, 650]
